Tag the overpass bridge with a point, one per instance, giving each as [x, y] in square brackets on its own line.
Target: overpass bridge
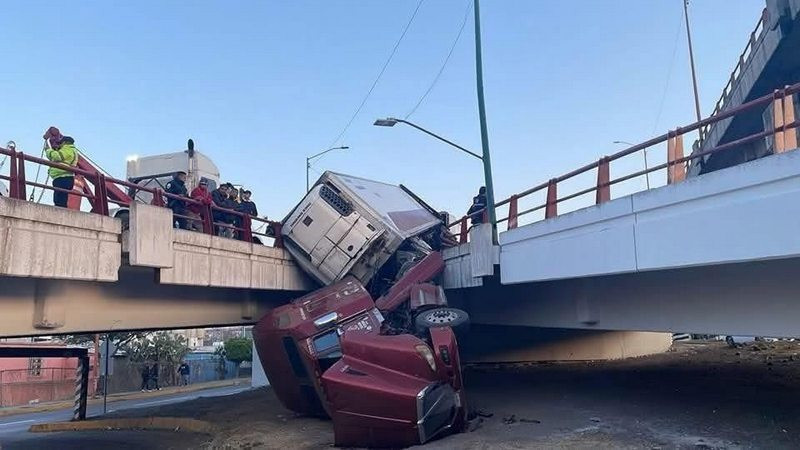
[717, 253]
[713, 253]
[65, 271]
[769, 61]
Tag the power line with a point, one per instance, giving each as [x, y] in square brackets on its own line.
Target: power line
[669, 74]
[446, 60]
[380, 74]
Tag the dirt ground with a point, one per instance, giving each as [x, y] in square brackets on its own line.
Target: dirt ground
[700, 395]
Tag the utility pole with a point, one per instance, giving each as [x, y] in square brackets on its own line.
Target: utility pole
[691, 59]
[487, 161]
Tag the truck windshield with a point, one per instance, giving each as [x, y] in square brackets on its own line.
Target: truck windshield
[326, 342]
[327, 348]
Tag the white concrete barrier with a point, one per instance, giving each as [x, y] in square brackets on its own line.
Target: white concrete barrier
[47, 242]
[749, 212]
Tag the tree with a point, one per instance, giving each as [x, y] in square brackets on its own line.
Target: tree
[120, 339]
[238, 350]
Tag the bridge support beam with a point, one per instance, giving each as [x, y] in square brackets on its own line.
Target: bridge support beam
[749, 299]
[32, 306]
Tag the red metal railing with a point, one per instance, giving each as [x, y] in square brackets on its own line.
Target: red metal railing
[99, 198]
[783, 133]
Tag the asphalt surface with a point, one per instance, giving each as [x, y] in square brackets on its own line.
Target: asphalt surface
[14, 429]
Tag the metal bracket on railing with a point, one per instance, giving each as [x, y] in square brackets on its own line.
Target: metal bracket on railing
[551, 207]
[603, 178]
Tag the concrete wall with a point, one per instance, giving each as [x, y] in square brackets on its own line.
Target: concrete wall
[259, 377]
[56, 243]
[196, 259]
[467, 264]
[744, 213]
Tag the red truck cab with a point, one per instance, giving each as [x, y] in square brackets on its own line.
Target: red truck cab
[333, 353]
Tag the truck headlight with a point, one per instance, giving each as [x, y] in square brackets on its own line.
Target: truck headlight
[427, 355]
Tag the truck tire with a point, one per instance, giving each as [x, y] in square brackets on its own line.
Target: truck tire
[454, 318]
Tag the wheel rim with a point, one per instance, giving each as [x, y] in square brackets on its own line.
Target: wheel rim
[440, 317]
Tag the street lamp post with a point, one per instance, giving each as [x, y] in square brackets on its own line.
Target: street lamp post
[312, 157]
[644, 152]
[391, 121]
[487, 160]
[691, 60]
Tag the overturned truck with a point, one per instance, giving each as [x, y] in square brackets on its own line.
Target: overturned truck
[375, 348]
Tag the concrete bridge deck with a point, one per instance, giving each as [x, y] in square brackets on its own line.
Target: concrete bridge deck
[64, 271]
[717, 253]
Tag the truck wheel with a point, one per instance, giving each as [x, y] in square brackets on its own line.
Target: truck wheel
[454, 318]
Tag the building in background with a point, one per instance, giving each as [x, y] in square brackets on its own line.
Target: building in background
[25, 381]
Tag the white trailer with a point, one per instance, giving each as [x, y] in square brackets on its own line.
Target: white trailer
[347, 225]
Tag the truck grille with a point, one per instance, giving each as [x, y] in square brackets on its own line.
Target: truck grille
[341, 205]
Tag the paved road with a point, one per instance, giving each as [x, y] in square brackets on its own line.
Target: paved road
[15, 428]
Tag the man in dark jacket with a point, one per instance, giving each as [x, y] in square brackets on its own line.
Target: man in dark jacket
[248, 206]
[145, 377]
[221, 197]
[477, 210]
[178, 187]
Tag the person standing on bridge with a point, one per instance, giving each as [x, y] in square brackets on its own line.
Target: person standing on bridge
[477, 211]
[248, 206]
[177, 187]
[222, 199]
[64, 180]
[202, 195]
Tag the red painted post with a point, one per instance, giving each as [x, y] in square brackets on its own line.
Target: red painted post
[603, 177]
[247, 228]
[13, 189]
[276, 229]
[158, 198]
[512, 212]
[463, 235]
[21, 186]
[208, 220]
[101, 194]
[551, 207]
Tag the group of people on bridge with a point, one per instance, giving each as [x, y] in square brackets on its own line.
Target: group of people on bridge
[226, 196]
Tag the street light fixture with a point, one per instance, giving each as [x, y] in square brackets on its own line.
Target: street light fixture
[644, 152]
[391, 121]
[312, 157]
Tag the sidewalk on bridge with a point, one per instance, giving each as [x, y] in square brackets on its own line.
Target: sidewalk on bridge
[55, 406]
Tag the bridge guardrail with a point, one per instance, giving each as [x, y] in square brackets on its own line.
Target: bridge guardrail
[749, 49]
[99, 198]
[784, 135]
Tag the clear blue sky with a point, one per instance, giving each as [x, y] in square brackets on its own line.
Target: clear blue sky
[259, 85]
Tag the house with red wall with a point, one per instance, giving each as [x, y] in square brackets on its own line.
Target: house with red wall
[26, 381]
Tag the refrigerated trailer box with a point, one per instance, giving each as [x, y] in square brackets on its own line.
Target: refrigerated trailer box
[347, 225]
